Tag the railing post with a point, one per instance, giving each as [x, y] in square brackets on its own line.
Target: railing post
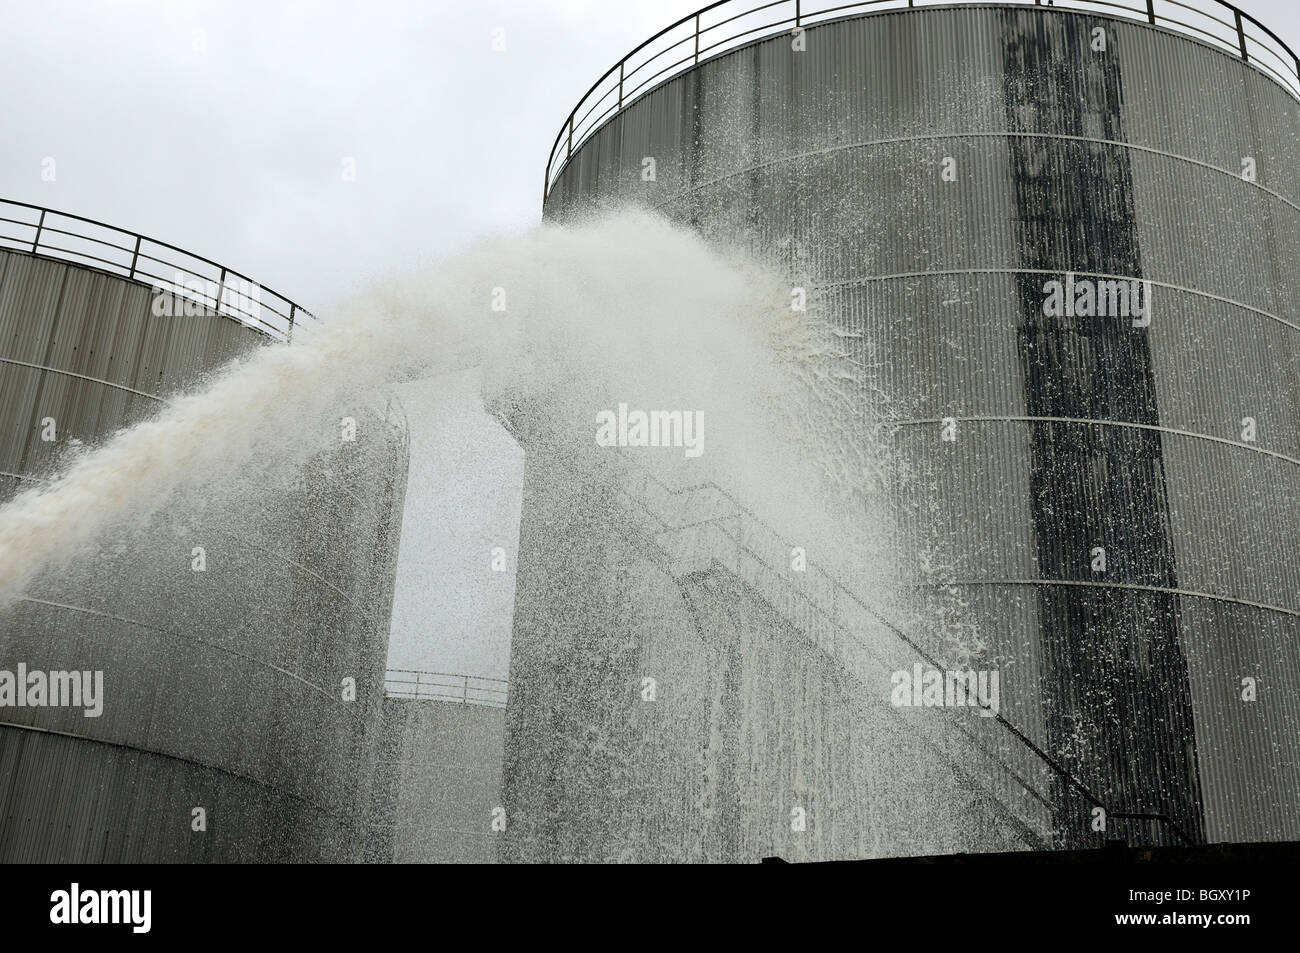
[798, 12]
[621, 64]
[1151, 11]
[293, 307]
[697, 39]
[570, 153]
[221, 286]
[135, 257]
[1241, 35]
[39, 225]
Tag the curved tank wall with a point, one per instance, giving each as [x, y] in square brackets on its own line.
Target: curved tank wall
[222, 689]
[83, 347]
[925, 173]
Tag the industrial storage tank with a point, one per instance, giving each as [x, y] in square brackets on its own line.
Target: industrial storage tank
[241, 645]
[1065, 240]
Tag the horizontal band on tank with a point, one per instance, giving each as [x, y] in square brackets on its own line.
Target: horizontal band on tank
[174, 757]
[933, 137]
[1013, 419]
[1132, 586]
[948, 272]
[671, 73]
[1010, 418]
[221, 648]
[84, 377]
[279, 557]
[29, 478]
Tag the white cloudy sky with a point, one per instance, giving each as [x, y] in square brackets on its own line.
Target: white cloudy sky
[220, 126]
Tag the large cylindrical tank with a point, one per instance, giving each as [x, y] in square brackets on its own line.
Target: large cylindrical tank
[229, 730]
[1112, 494]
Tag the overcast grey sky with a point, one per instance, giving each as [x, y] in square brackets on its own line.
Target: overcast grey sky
[221, 127]
[233, 149]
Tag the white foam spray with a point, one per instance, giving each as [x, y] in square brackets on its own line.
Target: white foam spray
[565, 324]
[627, 308]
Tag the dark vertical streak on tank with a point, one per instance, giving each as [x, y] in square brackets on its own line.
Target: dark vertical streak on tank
[1115, 684]
[694, 91]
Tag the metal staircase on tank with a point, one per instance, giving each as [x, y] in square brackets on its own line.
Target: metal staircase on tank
[701, 528]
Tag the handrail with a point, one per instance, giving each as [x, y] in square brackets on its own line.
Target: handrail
[412, 684]
[28, 228]
[841, 594]
[841, 591]
[1239, 34]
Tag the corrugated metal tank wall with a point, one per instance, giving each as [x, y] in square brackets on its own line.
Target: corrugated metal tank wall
[1128, 162]
[223, 688]
[759, 738]
[83, 347]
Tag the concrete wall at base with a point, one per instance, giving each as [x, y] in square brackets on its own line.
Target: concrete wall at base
[437, 784]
